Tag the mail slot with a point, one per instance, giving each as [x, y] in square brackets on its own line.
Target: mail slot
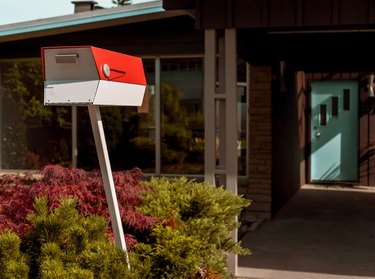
[87, 75]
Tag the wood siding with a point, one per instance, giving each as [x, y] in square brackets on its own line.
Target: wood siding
[278, 13]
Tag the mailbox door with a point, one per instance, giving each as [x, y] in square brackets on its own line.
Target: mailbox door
[70, 75]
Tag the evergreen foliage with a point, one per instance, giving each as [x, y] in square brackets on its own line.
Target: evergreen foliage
[12, 262]
[57, 226]
[66, 244]
[198, 219]
[122, 2]
[171, 253]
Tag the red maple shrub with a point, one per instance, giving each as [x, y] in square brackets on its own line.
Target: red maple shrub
[18, 192]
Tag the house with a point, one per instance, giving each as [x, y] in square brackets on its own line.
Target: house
[259, 96]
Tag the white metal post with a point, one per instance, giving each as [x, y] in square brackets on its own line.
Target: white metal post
[209, 106]
[231, 127]
[221, 97]
[226, 95]
[109, 186]
[1, 119]
[157, 108]
[74, 137]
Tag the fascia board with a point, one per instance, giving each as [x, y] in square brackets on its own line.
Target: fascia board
[86, 21]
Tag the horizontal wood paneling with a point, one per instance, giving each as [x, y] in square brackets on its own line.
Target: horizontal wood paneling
[354, 15]
[279, 13]
[282, 13]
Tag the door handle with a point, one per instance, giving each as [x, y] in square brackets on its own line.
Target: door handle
[316, 132]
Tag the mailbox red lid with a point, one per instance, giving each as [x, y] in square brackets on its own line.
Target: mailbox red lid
[122, 67]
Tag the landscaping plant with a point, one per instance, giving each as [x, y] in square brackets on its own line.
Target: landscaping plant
[12, 261]
[197, 220]
[18, 193]
[56, 225]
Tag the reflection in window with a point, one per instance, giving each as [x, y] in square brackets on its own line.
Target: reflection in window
[31, 135]
[129, 131]
[182, 124]
[242, 129]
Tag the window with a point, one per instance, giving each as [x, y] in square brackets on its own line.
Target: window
[163, 136]
[129, 131]
[182, 124]
[346, 99]
[242, 129]
[31, 135]
[335, 106]
[323, 115]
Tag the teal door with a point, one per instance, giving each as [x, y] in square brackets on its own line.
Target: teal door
[334, 121]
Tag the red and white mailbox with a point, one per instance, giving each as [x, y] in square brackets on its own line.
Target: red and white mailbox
[94, 77]
[87, 75]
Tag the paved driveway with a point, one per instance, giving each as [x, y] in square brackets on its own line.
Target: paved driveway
[322, 233]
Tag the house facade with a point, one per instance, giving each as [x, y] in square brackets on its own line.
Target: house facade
[260, 96]
[310, 91]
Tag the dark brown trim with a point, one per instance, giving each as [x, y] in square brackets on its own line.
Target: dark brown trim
[178, 5]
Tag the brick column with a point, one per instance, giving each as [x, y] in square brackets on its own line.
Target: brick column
[260, 143]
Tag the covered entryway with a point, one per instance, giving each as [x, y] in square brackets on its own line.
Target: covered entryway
[289, 44]
[322, 233]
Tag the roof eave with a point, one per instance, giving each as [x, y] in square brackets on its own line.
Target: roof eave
[86, 21]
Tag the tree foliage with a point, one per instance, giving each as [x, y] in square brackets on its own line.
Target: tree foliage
[22, 107]
[13, 264]
[66, 244]
[19, 192]
[198, 219]
[121, 2]
[174, 227]
[180, 144]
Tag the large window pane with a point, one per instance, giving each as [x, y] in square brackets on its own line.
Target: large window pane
[143, 142]
[242, 119]
[182, 125]
[129, 131]
[241, 130]
[31, 135]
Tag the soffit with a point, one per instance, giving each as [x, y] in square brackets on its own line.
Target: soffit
[86, 21]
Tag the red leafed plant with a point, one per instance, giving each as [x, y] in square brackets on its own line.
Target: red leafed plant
[18, 192]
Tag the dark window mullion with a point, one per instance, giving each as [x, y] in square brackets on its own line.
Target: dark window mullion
[346, 99]
[323, 115]
[335, 106]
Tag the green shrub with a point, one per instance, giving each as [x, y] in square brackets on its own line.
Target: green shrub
[65, 244]
[172, 253]
[18, 193]
[12, 263]
[182, 228]
[198, 219]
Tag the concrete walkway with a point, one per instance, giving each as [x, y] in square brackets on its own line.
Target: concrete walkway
[322, 233]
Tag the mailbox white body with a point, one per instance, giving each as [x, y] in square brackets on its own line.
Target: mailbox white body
[87, 75]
